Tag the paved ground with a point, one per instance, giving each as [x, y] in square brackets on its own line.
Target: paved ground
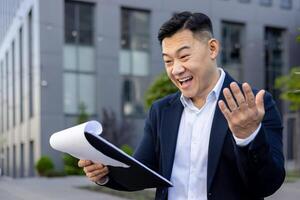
[49, 189]
[65, 189]
[289, 191]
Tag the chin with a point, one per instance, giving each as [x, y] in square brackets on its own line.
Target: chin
[187, 94]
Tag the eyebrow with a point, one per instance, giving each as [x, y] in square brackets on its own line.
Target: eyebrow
[178, 50]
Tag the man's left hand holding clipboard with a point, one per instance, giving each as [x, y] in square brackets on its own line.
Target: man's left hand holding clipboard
[96, 172]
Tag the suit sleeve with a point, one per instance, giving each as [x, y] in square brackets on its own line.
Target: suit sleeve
[261, 163]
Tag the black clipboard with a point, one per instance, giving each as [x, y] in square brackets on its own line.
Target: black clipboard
[137, 176]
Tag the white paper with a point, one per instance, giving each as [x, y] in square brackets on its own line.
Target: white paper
[73, 142]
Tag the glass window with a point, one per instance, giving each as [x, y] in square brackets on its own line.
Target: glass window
[7, 162]
[7, 91]
[70, 97]
[274, 60]
[79, 57]
[79, 22]
[22, 160]
[2, 158]
[86, 57]
[244, 1]
[86, 92]
[140, 62]
[135, 40]
[70, 28]
[14, 162]
[4, 92]
[134, 59]
[70, 58]
[232, 47]
[21, 75]
[125, 60]
[266, 2]
[31, 158]
[286, 4]
[80, 89]
[86, 24]
[13, 84]
[132, 97]
[1, 97]
[30, 70]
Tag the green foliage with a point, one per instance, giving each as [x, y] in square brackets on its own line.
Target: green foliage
[71, 165]
[298, 37]
[43, 165]
[83, 115]
[161, 87]
[127, 149]
[290, 87]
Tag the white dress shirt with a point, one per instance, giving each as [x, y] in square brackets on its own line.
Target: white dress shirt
[189, 174]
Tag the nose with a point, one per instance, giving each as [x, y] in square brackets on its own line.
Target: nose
[177, 68]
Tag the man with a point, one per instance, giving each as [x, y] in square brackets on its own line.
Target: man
[215, 139]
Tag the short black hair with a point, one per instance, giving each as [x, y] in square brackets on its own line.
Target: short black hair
[195, 22]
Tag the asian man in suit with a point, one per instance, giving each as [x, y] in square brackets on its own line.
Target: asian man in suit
[215, 138]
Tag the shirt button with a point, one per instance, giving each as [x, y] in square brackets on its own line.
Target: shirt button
[209, 194]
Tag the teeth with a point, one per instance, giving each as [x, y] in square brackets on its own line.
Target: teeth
[185, 79]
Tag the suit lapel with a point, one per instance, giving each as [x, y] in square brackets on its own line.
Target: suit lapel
[217, 136]
[171, 117]
[170, 124]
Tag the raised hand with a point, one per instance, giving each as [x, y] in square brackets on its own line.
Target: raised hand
[245, 111]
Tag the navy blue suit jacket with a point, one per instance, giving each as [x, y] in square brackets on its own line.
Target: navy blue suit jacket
[233, 172]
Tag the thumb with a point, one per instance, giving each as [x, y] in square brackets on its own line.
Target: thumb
[259, 101]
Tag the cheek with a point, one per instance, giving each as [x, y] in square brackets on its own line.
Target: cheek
[169, 72]
[170, 76]
[199, 66]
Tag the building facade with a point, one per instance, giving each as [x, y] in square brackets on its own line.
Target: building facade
[61, 55]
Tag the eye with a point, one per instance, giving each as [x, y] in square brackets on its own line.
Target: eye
[168, 62]
[184, 57]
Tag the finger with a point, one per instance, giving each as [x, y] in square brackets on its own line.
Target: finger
[226, 112]
[259, 100]
[93, 167]
[103, 171]
[238, 95]
[84, 163]
[229, 99]
[250, 98]
[98, 178]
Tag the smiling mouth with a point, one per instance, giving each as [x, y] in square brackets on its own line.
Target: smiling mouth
[185, 80]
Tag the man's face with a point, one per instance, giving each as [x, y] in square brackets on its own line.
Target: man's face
[189, 63]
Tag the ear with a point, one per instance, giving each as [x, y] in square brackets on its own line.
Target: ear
[214, 46]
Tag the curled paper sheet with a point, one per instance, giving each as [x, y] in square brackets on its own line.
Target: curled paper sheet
[73, 141]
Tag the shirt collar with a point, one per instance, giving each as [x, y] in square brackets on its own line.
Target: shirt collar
[212, 95]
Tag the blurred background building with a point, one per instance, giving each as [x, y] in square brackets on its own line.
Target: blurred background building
[56, 55]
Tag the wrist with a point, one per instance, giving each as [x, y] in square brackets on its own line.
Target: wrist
[103, 180]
